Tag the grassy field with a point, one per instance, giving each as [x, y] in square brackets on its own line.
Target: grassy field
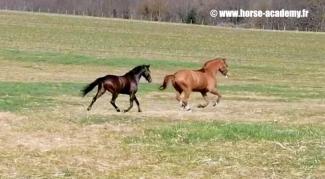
[270, 122]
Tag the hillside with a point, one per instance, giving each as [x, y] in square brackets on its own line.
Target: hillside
[270, 122]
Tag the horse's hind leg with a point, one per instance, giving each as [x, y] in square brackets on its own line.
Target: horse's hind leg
[179, 92]
[205, 97]
[132, 96]
[114, 96]
[184, 98]
[100, 92]
[138, 104]
[178, 98]
[215, 92]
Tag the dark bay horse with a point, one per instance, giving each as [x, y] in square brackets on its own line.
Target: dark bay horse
[126, 84]
[202, 80]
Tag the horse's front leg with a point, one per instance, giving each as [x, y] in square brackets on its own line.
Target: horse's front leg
[138, 104]
[132, 96]
[205, 97]
[215, 92]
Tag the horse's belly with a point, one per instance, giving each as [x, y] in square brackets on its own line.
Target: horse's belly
[124, 91]
[200, 89]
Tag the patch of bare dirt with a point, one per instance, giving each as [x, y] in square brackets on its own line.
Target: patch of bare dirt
[8, 120]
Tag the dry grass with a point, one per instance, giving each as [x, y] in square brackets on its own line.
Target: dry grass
[68, 141]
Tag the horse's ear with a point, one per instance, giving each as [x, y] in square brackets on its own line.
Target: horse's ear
[148, 66]
[224, 60]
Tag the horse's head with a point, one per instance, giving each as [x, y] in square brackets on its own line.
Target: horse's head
[217, 65]
[146, 73]
[224, 68]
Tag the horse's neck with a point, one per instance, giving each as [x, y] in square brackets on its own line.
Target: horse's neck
[210, 72]
[137, 77]
[134, 76]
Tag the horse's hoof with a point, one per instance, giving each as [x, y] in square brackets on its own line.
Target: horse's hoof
[88, 109]
[201, 106]
[118, 110]
[139, 111]
[188, 109]
[125, 111]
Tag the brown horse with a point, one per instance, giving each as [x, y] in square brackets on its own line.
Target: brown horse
[202, 80]
[126, 84]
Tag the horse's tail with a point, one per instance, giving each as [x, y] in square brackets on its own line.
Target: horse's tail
[166, 80]
[91, 86]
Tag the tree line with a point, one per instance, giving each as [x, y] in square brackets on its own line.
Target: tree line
[184, 11]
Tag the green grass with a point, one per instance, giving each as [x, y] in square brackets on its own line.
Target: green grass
[27, 103]
[192, 133]
[109, 37]
[40, 89]
[194, 143]
[74, 59]
[281, 91]
[17, 96]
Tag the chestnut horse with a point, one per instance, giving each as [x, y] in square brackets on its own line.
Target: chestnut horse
[126, 84]
[202, 80]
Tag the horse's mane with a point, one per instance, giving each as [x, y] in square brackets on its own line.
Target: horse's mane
[203, 69]
[206, 63]
[135, 70]
[216, 59]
